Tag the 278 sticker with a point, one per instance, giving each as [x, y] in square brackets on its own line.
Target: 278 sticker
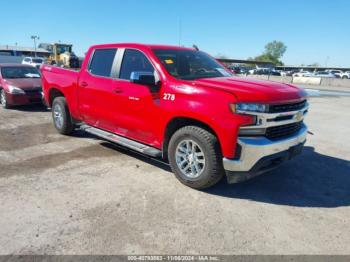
[168, 96]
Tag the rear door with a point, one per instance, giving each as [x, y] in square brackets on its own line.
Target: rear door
[96, 89]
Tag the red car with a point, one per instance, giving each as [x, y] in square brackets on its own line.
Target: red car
[19, 85]
[182, 105]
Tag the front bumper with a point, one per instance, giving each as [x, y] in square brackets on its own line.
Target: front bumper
[24, 99]
[259, 154]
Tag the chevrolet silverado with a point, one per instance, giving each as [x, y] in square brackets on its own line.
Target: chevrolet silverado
[182, 105]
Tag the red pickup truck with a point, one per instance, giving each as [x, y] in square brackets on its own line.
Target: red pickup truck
[182, 105]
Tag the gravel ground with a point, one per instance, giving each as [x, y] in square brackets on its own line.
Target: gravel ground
[80, 195]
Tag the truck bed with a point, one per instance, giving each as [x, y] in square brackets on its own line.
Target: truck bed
[63, 80]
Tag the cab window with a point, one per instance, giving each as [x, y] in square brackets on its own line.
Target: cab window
[134, 61]
[102, 62]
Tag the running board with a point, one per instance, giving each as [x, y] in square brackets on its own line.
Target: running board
[144, 149]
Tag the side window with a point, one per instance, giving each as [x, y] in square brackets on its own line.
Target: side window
[27, 59]
[102, 62]
[134, 61]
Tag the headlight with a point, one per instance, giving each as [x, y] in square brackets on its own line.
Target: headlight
[15, 90]
[247, 107]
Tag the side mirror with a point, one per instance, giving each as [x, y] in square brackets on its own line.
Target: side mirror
[143, 78]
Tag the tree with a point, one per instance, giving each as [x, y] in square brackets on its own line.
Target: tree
[274, 51]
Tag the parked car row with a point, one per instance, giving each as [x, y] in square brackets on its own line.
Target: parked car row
[325, 74]
[256, 71]
[331, 73]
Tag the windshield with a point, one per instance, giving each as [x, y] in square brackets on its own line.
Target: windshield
[37, 60]
[12, 72]
[190, 64]
[63, 48]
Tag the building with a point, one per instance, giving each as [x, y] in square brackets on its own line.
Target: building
[8, 50]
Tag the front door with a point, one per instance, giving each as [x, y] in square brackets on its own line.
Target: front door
[138, 105]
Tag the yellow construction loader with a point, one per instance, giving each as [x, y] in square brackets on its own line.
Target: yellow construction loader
[61, 55]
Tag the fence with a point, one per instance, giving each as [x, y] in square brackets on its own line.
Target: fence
[306, 80]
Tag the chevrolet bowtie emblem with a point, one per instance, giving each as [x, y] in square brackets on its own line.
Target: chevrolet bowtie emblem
[299, 116]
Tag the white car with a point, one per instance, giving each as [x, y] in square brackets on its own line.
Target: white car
[303, 74]
[346, 75]
[252, 71]
[33, 61]
[281, 72]
[324, 74]
[339, 73]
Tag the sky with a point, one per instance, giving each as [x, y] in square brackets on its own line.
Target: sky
[313, 31]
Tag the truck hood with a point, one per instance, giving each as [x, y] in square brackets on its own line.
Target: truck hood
[253, 90]
[24, 83]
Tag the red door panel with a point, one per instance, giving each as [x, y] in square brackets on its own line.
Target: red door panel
[137, 112]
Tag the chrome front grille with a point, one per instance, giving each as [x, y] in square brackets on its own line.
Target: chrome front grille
[278, 108]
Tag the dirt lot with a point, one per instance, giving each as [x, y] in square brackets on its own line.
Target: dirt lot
[80, 195]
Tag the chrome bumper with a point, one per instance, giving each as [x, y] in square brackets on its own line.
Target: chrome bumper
[254, 149]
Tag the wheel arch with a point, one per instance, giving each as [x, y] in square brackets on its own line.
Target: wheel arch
[178, 122]
[53, 93]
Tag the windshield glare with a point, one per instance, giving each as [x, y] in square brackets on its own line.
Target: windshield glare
[190, 64]
[19, 72]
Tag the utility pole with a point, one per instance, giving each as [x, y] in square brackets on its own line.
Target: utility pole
[16, 44]
[35, 37]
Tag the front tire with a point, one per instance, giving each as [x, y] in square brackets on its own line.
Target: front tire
[61, 116]
[3, 99]
[195, 157]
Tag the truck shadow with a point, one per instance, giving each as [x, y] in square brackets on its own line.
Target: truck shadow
[311, 180]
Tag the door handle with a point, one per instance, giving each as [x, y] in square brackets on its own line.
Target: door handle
[84, 84]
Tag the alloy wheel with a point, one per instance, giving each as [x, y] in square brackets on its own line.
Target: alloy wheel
[58, 116]
[190, 158]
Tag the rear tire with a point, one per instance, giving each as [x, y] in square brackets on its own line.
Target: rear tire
[195, 157]
[61, 116]
[3, 99]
